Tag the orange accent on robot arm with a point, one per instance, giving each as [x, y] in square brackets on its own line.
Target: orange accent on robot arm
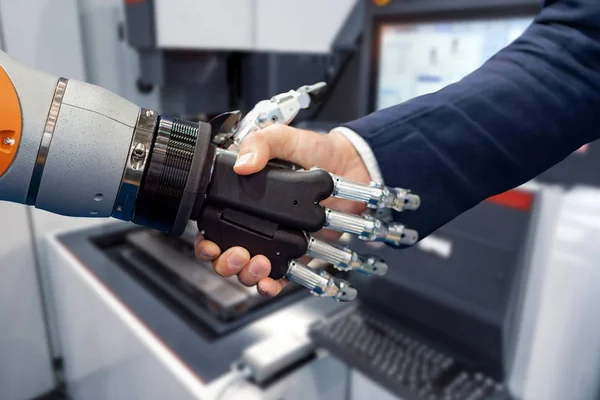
[10, 122]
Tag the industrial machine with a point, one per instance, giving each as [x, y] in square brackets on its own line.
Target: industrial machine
[148, 331]
[240, 52]
[459, 315]
[471, 312]
[474, 312]
[439, 324]
[88, 55]
[131, 316]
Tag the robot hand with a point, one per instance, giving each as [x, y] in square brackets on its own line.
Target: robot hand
[78, 150]
[275, 211]
[229, 129]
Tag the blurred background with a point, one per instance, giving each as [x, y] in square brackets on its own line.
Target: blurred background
[499, 304]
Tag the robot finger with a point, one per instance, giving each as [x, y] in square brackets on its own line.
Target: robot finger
[320, 283]
[375, 195]
[370, 229]
[345, 259]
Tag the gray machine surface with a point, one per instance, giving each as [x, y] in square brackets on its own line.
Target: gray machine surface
[208, 350]
[169, 263]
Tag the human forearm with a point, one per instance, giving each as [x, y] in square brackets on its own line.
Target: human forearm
[526, 109]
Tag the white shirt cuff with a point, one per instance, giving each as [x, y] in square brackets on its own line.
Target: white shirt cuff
[365, 152]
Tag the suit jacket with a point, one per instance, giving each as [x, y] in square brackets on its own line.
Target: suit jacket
[523, 111]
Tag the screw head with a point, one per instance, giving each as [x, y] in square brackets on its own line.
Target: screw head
[139, 151]
[149, 113]
[119, 208]
[9, 141]
[138, 156]
[262, 118]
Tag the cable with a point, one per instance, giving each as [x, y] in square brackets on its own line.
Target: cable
[240, 373]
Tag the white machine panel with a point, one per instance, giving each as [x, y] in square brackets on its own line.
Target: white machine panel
[110, 62]
[25, 370]
[51, 42]
[565, 345]
[307, 26]
[127, 361]
[205, 24]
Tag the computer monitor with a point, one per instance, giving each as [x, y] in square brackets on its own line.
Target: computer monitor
[416, 48]
[411, 48]
[418, 58]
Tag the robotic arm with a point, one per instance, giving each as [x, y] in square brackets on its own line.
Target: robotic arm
[75, 149]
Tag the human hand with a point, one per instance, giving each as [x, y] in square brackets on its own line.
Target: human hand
[332, 152]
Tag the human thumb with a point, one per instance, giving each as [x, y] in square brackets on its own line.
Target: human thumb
[253, 155]
[281, 142]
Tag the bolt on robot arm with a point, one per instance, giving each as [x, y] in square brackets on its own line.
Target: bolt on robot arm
[75, 149]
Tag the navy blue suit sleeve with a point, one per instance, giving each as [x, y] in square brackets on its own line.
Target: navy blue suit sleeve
[523, 111]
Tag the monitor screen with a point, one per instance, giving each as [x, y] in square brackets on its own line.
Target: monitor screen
[418, 59]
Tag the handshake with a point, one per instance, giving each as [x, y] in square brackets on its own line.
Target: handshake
[279, 195]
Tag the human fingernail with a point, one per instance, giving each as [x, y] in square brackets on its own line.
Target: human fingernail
[206, 254]
[261, 290]
[257, 270]
[236, 261]
[244, 159]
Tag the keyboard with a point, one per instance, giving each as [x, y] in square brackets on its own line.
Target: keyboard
[399, 362]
